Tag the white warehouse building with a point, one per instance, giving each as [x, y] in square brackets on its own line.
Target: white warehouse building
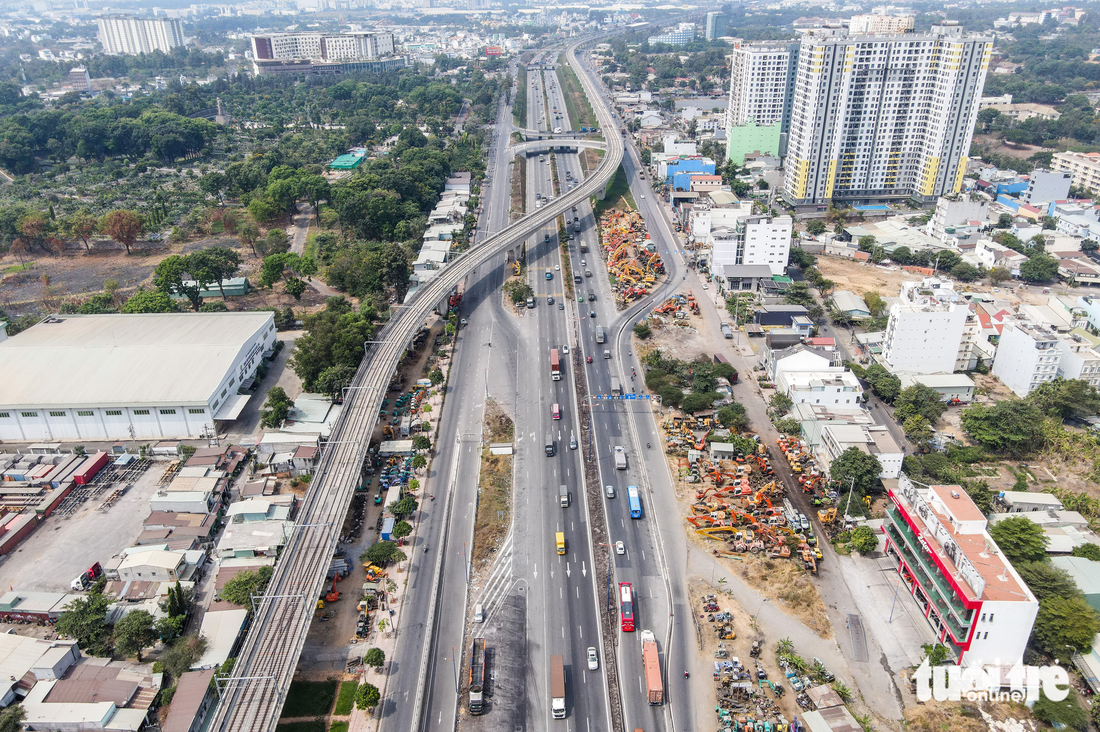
[105, 377]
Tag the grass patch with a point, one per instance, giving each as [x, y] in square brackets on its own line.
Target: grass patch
[519, 104]
[494, 504]
[576, 103]
[339, 726]
[519, 186]
[309, 699]
[616, 194]
[311, 725]
[345, 700]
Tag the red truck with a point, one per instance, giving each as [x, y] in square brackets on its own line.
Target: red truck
[652, 663]
[555, 365]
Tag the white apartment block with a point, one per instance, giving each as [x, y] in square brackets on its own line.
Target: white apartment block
[1085, 168]
[1079, 360]
[762, 79]
[955, 212]
[1027, 355]
[872, 439]
[882, 117]
[323, 46]
[124, 35]
[924, 334]
[880, 24]
[753, 240]
[838, 390]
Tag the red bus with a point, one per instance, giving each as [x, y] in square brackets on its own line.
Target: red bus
[626, 606]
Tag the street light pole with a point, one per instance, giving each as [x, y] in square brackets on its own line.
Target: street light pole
[848, 503]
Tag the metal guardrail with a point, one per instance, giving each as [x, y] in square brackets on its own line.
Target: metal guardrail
[255, 692]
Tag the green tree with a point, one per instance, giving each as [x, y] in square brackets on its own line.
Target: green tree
[11, 719]
[85, 619]
[1020, 538]
[248, 235]
[420, 442]
[276, 242]
[149, 301]
[779, 404]
[334, 379]
[419, 462]
[169, 629]
[965, 272]
[122, 226]
[244, 585]
[295, 287]
[1088, 551]
[382, 553]
[1067, 712]
[1039, 268]
[864, 540]
[998, 275]
[435, 376]
[919, 432]
[401, 529]
[1045, 580]
[271, 271]
[643, 331]
[334, 336]
[815, 227]
[1011, 426]
[1064, 624]
[136, 630]
[276, 408]
[885, 385]
[174, 275]
[919, 400]
[1066, 398]
[1004, 221]
[219, 263]
[733, 417]
[854, 463]
[374, 657]
[875, 303]
[367, 696]
[182, 655]
[81, 225]
[403, 507]
[696, 403]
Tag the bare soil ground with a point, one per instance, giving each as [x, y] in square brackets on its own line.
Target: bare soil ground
[494, 507]
[861, 278]
[519, 188]
[51, 280]
[997, 145]
[969, 717]
[680, 339]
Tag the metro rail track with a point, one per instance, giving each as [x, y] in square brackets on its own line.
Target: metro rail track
[252, 696]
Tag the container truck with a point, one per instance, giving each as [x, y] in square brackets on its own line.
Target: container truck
[620, 458]
[557, 687]
[652, 662]
[477, 676]
[599, 334]
[555, 365]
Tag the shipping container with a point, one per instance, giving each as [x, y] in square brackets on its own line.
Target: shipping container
[90, 468]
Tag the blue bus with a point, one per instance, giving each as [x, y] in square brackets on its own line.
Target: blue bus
[635, 502]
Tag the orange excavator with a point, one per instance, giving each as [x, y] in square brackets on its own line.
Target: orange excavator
[333, 594]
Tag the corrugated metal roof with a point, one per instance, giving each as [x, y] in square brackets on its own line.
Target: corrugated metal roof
[124, 360]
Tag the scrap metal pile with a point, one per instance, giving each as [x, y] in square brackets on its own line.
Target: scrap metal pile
[632, 260]
[680, 307]
[742, 693]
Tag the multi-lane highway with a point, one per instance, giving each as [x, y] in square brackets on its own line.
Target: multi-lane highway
[253, 697]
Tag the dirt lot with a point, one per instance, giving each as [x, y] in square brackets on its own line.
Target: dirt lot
[995, 144]
[680, 339]
[494, 508]
[969, 717]
[51, 280]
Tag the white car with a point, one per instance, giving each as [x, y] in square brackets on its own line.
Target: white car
[557, 267]
[619, 548]
[593, 659]
[643, 197]
[565, 349]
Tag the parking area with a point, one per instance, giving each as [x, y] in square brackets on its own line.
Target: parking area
[64, 546]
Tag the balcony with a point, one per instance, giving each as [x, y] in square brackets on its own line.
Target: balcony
[940, 592]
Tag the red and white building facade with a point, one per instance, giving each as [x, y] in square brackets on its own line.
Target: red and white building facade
[976, 603]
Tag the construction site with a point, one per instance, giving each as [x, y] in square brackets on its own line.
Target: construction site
[632, 259]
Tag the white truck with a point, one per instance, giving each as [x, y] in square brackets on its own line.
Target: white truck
[620, 458]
